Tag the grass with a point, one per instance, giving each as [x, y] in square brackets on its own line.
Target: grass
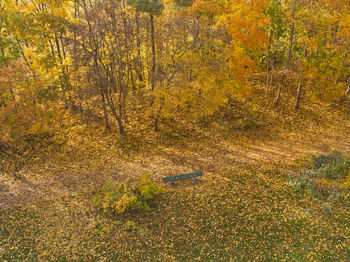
[241, 214]
[325, 178]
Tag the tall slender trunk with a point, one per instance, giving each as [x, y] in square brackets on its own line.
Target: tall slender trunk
[62, 45]
[128, 59]
[348, 89]
[120, 122]
[300, 80]
[267, 86]
[138, 45]
[153, 72]
[268, 69]
[105, 110]
[117, 117]
[156, 126]
[291, 34]
[121, 127]
[278, 95]
[279, 90]
[25, 58]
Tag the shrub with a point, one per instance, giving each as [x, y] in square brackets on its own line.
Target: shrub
[327, 178]
[117, 199]
[335, 165]
[130, 226]
[147, 188]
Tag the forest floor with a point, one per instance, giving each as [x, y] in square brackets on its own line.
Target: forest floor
[241, 210]
[97, 158]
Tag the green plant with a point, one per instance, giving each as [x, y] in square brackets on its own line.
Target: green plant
[335, 165]
[130, 226]
[300, 185]
[327, 178]
[147, 188]
[124, 197]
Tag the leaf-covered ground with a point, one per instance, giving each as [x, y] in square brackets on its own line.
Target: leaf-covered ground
[79, 153]
[243, 210]
[246, 214]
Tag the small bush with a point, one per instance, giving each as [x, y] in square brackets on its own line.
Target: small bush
[335, 165]
[117, 199]
[130, 226]
[327, 178]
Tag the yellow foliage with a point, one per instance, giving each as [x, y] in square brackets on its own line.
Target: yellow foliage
[347, 181]
[34, 129]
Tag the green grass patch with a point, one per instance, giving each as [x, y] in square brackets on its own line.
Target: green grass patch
[325, 177]
[240, 215]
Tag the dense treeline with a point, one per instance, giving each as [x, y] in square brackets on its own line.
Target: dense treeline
[112, 60]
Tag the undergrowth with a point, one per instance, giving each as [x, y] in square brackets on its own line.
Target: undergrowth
[326, 177]
[117, 199]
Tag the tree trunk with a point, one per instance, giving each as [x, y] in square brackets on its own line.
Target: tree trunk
[291, 34]
[140, 73]
[156, 126]
[278, 95]
[279, 90]
[268, 69]
[153, 72]
[121, 127]
[267, 86]
[105, 110]
[348, 89]
[116, 116]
